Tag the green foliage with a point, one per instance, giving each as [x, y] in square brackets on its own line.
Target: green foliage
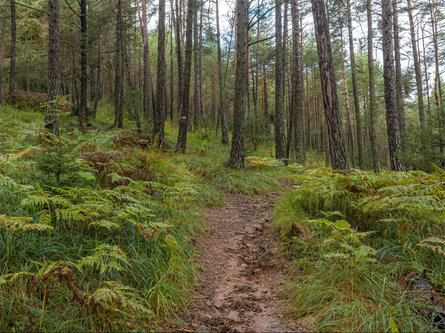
[365, 232]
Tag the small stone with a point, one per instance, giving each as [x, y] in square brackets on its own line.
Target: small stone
[202, 329]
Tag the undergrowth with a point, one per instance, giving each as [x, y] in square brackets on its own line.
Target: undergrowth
[355, 237]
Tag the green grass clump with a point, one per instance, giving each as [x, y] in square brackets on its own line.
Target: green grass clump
[95, 228]
[354, 236]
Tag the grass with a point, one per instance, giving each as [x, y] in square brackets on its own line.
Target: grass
[365, 233]
[96, 227]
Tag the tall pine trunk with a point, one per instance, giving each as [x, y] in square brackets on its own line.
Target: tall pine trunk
[372, 98]
[148, 97]
[181, 144]
[237, 154]
[13, 53]
[400, 101]
[159, 112]
[339, 159]
[118, 69]
[83, 64]
[417, 69]
[51, 117]
[297, 96]
[280, 134]
[358, 122]
[392, 121]
[222, 109]
[196, 86]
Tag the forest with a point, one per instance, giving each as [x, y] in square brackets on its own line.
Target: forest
[222, 165]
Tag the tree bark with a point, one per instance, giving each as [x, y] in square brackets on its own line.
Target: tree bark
[350, 135]
[159, 114]
[392, 120]
[297, 85]
[148, 97]
[417, 69]
[13, 52]
[222, 109]
[280, 134]
[177, 26]
[2, 54]
[237, 154]
[358, 122]
[51, 116]
[372, 98]
[400, 101]
[83, 64]
[181, 144]
[339, 159]
[196, 102]
[118, 70]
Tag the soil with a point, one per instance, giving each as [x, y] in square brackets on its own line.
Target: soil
[238, 289]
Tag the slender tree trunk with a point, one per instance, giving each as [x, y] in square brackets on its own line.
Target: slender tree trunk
[358, 122]
[2, 53]
[118, 70]
[98, 94]
[416, 67]
[83, 64]
[148, 80]
[222, 109]
[265, 102]
[13, 53]
[427, 86]
[159, 114]
[201, 100]
[337, 149]
[372, 98]
[350, 135]
[237, 154]
[392, 120]
[196, 102]
[171, 65]
[181, 144]
[400, 101]
[51, 117]
[177, 25]
[280, 134]
[297, 85]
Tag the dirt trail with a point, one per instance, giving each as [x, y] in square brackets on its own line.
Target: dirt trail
[242, 271]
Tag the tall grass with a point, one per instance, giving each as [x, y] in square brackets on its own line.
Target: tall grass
[354, 236]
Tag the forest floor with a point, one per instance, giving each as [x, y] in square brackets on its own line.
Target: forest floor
[243, 271]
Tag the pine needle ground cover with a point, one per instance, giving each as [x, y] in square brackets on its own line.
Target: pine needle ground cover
[359, 242]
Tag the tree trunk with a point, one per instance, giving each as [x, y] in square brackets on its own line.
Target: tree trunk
[350, 135]
[98, 93]
[280, 134]
[297, 85]
[2, 54]
[222, 109]
[392, 121]
[171, 66]
[148, 80]
[196, 102]
[358, 122]
[13, 53]
[83, 64]
[201, 101]
[400, 101]
[181, 144]
[339, 159]
[425, 67]
[372, 98]
[237, 154]
[416, 67]
[159, 114]
[118, 70]
[177, 25]
[51, 117]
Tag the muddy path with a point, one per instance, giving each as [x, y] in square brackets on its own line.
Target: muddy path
[242, 272]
